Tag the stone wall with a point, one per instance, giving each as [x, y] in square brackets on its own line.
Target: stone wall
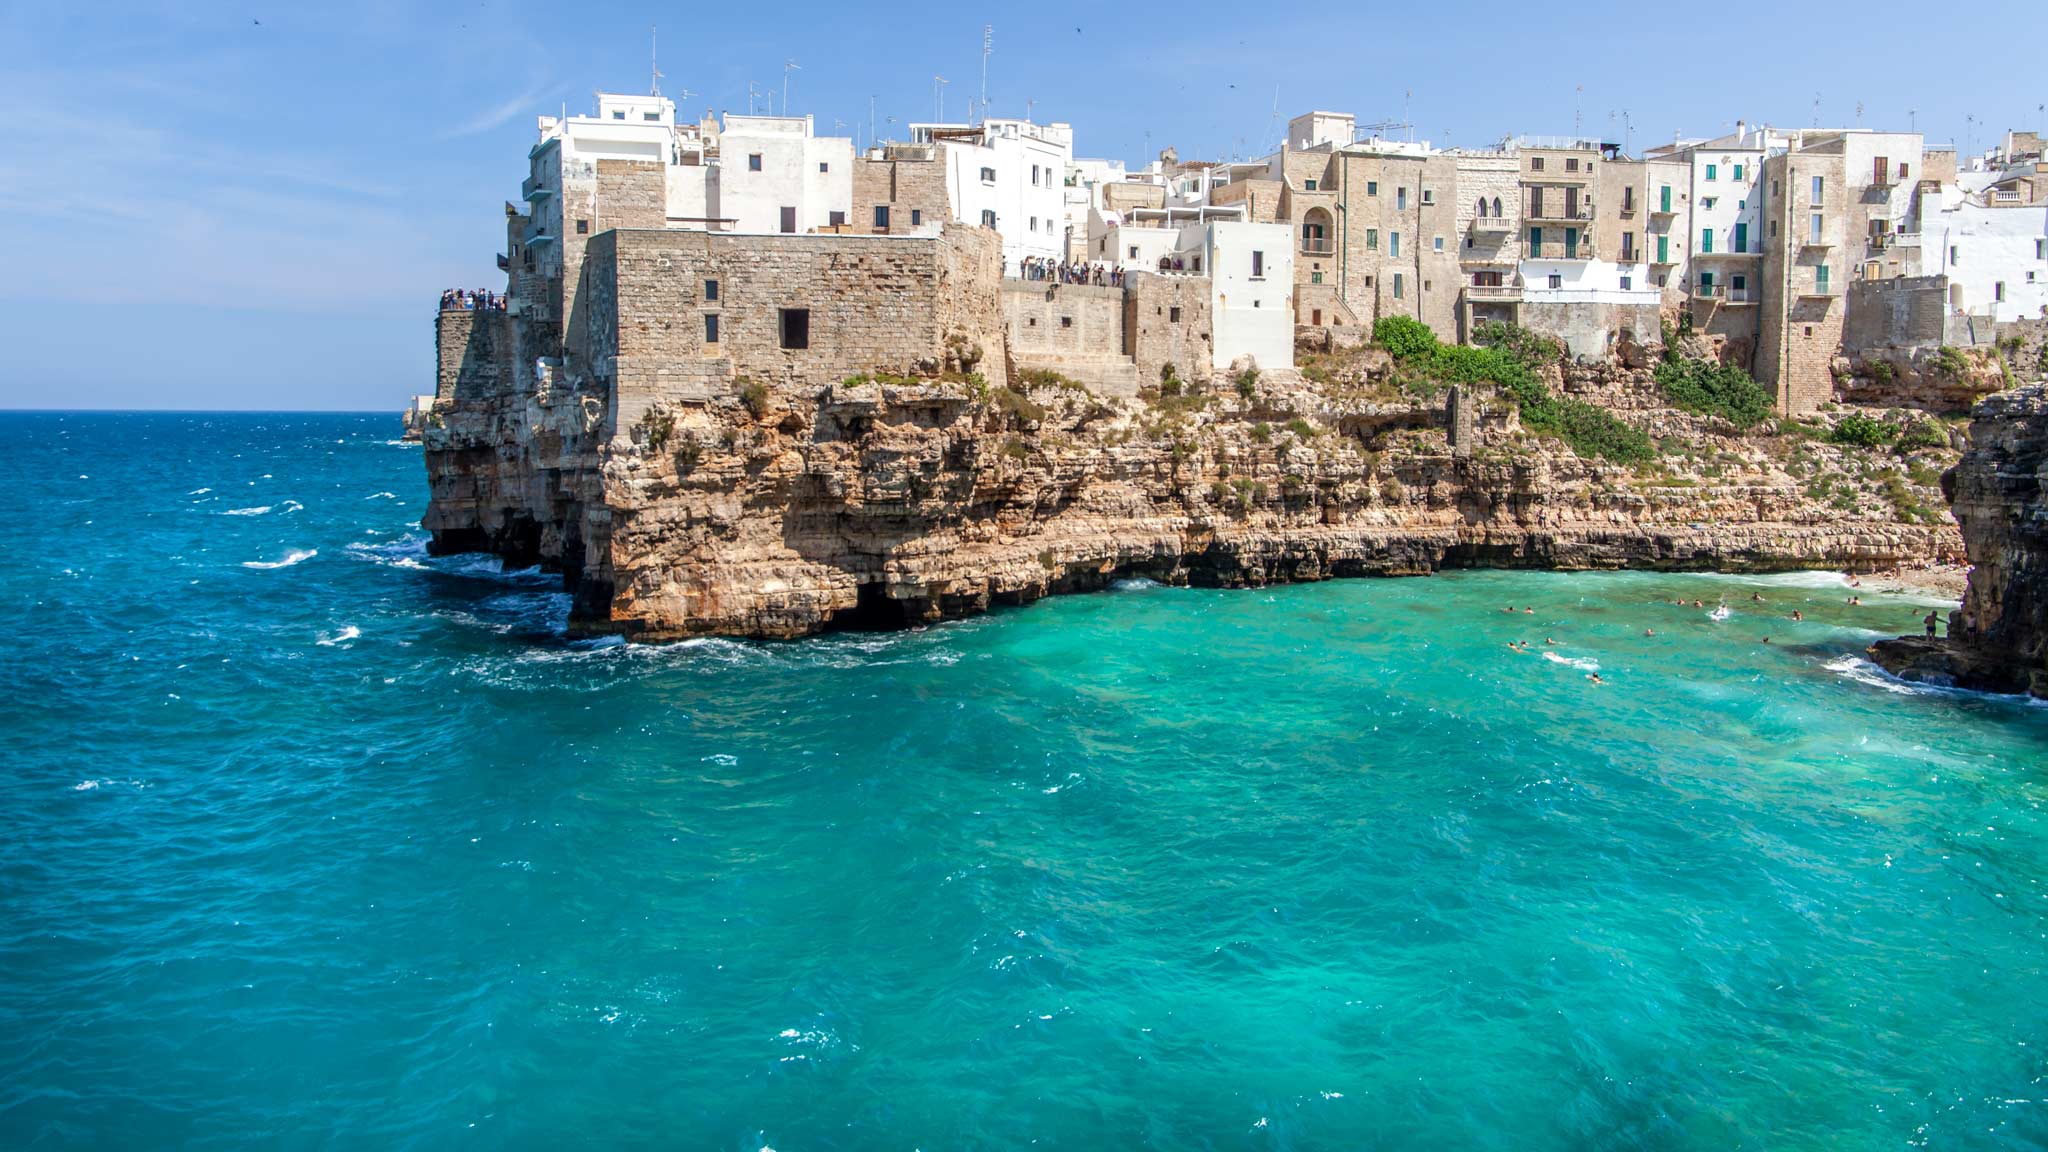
[1593, 329]
[905, 185]
[873, 304]
[1050, 319]
[1908, 312]
[631, 194]
[1155, 339]
[473, 353]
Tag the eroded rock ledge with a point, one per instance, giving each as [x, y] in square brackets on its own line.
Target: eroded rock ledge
[788, 511]
[1998, 640]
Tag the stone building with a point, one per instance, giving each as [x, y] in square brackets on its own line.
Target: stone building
[900, 190]
[1489, 232]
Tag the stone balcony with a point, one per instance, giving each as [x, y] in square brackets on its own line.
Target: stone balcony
[1493, 293]
[1492, 225]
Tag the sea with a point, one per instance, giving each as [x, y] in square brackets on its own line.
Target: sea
[309, 840]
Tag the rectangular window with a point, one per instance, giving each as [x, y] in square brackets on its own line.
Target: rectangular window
[1571, 163]
[1401, 198]
[824, 167]
[1738, 172]
[988, 175]
[1556, 280]
[1818, 186]
[583, 227]
[711, 328]
[1813, 229]
[1536, 242]
[1820, 279]
[1706, 241]
[988, 217]
[1664, 205]
[789, 220]
[1437, 243]
[1066, 321]
[1173, 314]
[710, 291]
[1738, 283]
[835, 219]
[1535, 163]
[650, 115]
[618, 115]
[1258, 265]
[1712, 171]
[1397, 285]
[1664, 249]
[1033, 226]
[2041, 249]
[1393, 243]
[1627, 282]
[1428, 196]
[916, 217]
[881, 215]
[1372, 187]
[1628, 199]
[1034, 175]
[753, 162]
[796, 327]
[1310, 185]
[1372, 239]
[1134, 252]
[1998, 291]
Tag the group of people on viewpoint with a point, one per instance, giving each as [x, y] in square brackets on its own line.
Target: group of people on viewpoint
[1071, 272]
[471, 300]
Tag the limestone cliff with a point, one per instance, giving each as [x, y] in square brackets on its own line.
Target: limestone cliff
[785, 510]
[1998, 639]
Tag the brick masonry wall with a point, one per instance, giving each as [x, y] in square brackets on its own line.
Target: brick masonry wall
[474, 355]
[1048, 319]
[1904, 313]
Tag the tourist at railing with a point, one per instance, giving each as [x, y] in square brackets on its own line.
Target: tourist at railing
[1037, 268]
[471, 300]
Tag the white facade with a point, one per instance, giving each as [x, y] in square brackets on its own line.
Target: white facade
[775, 176]
[1251, 276]
[1726, 246]
[1009, 175]
[1995, 258]
[1587, 282]
[1084, 183]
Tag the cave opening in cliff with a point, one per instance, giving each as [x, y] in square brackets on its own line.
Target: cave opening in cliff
[874, 610]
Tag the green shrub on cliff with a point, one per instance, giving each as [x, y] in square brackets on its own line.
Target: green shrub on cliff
[1950, 361]
[754, 395]
[1860, 431]
[1402, 337]
[1714, 390]
[1921, 434]
[1019, 406]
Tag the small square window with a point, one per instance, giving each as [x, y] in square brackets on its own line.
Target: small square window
[1556, 280]
[916, 217]
[618, 115]
[711, 328]
[824, 166]
[881, 215]
[796, 328]
[988, 175]
[1437, 244]
[583, 227]
[1571, 163]
[753, 162]
[1173, 313]
[1535, 163]
[835, 219]
[1372, 187]
[1066, 321]
[1310, 185]
[1627, 282]
[710, 290]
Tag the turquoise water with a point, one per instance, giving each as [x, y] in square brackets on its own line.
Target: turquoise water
[358, 852]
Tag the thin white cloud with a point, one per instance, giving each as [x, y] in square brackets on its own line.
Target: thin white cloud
[526, 102]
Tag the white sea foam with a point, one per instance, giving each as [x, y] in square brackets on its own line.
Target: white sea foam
[1721, 613]
[258, 510]
[1864, 672]
[199, 492]
[1583, 664]
[348, 633]
[291, 506]
[382, 496]
[97, 785]
[295, 556]
[1134, 584]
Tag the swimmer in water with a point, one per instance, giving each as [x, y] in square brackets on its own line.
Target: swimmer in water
[1595, 678]
[1529, 611]
[1856, 601]
[1756, 597]
[1767, 639]
[1548, 640]
[1798, 615]
[1699, 603]
[1649, 631]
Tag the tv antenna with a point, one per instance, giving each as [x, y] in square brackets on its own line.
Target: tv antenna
[939, 98]
[654, 85]
[788, 66]
[988, 45]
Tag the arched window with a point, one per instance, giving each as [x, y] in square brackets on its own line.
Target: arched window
[1482, 208]
[1496, 207]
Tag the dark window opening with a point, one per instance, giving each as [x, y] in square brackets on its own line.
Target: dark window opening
[796, 328]
[1173, 314]
[711, 290]
[754, 162]
[835, 219]
[881, 215]
[711, 328]
[583, 227]
[916, 217]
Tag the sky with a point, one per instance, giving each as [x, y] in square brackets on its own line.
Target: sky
[256, 205]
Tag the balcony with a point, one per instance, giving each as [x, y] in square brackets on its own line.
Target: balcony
[1560, 215]
[530, 190]
[1723, 294]
[1582, 251]
[1492, 225]
[1493, 293]
[1755, 254]
[1317, 246]
[1629, 256]
[1662, 209]
[535, 235]
[1821, 243]
[504, 263]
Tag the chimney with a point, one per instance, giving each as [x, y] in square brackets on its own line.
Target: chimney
[1741, 131]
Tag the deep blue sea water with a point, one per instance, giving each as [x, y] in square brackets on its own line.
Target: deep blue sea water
[309, 841]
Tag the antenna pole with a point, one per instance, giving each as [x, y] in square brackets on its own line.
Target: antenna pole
[988, 45]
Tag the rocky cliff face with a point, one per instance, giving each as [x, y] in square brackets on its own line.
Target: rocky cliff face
[1998, 639]
[883, 503]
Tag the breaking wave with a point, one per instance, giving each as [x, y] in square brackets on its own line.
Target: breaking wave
[295, 556]
[258, 510]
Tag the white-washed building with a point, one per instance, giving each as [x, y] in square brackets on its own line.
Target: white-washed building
[775, 175]
[1009, 175]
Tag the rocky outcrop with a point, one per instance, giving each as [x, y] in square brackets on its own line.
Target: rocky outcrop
[786, 510]
[1943, 379]
[1998, 490]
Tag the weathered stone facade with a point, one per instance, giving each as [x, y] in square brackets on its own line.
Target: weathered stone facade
[909, 182]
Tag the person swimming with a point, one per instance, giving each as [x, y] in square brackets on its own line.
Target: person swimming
[1548, 640]
[1649, 631]
[1529, 611]
[1595, 678]
[1798, 615]
[1756, 597]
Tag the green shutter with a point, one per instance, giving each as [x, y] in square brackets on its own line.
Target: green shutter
[1707, 241]
[1536, 243]
[1664, 248]
[1741, 238]
[1666, 205]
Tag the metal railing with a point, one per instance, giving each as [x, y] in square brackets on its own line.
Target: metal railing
[1317, 246]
